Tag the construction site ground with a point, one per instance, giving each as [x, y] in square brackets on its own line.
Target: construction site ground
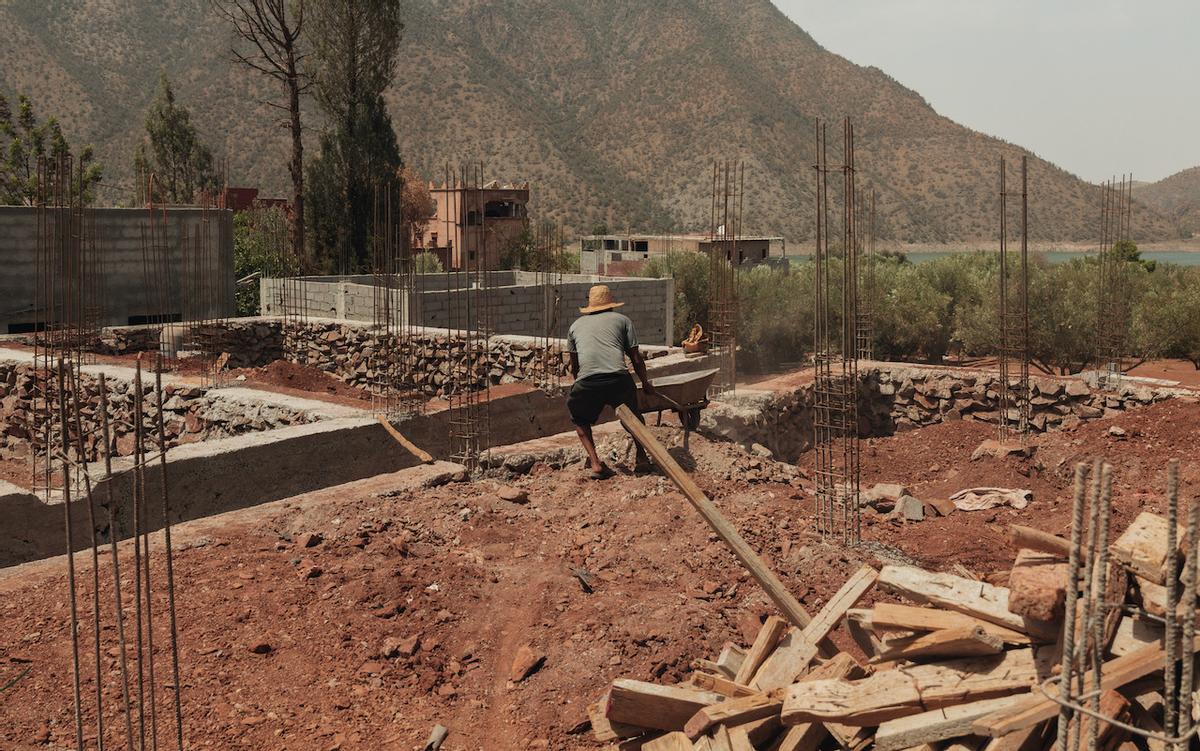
[360, 616]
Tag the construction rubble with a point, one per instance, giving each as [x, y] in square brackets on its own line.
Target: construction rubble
[952, 663]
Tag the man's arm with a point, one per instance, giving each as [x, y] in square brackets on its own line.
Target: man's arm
[639, 367]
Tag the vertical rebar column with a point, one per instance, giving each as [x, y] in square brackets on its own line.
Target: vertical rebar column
[865, 304]
[835, 354]
[1013, 316]
[725, 216]
[1113, 304]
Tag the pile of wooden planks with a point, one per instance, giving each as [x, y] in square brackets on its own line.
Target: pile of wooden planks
[955, 664]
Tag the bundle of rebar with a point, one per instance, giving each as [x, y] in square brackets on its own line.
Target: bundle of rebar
[394, 393]
[835, 355]
[469, 286]
[1113, 306]
[864, 328]
[1013, 314]
[725, 216]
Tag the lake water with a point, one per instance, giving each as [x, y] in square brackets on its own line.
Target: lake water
[1180, 257]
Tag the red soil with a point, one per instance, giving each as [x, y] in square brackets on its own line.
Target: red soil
[475, 587]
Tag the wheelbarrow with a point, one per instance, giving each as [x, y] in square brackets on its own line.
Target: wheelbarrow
[685, 394]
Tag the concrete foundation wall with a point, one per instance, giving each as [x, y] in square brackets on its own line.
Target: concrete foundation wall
[515, 305]
[119, 242]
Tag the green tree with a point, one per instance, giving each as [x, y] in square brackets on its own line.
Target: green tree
[354, 45]
[690, 272]
[181, 163]
[427, 263]
[23, 140]
[260, 237]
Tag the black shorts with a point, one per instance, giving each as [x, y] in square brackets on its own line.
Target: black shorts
[590, 396]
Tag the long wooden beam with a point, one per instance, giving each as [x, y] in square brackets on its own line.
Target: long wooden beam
[766, 578]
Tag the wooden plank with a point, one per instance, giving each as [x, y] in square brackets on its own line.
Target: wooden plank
[739, 740]
[805, 737]
[798, 648]
[408, 445]
[733, 712]
[1026, 739]
[950, 642]
[702, 744]
[761, 730]
[721, 685]
[605, 730]
[1133, 634]
[977, 599]
[897, 693]
[766, 578]
[1113, 675]
[937, 724]
[650, 705]
[768, 638]
[1142, 547]
[1037, 585]
[669, 742]
[730, 659]
[720, 739]
[890, 616]
[1035, 539]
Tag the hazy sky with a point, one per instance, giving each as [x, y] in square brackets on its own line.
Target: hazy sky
[1095, 86]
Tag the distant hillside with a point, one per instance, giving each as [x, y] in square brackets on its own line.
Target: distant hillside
[1177, 197]
[613, 110]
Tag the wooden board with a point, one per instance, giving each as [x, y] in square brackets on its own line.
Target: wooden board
[766, 578]
[1037, 585]
[799, 647]
[889, 616]
[890, 694]
[733, 712]
[721, 685]
[650, 705]
[408, 445]
[937, 724]
[974, 598]
[1035, 539]
[764, 644]
[1134, 634]
[806, 737]
[604, 729]
[947, 643]
[1113, 675]
[1142, 547]
[739, 740]
[669, 742]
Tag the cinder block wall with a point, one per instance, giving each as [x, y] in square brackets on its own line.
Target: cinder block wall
[119, 239]
[514, 306]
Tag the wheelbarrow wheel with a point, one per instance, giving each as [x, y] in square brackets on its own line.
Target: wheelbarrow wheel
[690, 419]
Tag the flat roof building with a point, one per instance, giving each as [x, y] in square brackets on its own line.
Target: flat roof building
[475, 224]
[618, 255]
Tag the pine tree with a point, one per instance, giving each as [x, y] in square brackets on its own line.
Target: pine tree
[23, 140]
[181, 163]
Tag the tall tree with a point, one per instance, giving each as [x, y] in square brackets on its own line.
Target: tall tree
[354, 45]
[22, 141]
[181, 162]
[271, 32]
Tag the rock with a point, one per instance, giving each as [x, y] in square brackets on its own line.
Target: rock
[525, 663]
[760, 450]
[1077, 389]
[312, 572]
[908, 509]
[41, 736]
[370, 667]
[406, 647]
[311, 540]
[998, 450]
[512, 495]
[882, 496]
[1117, 432]
[261, 648]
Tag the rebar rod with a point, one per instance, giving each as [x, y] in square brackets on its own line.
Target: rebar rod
[1074, 563]
[169, 556]
[1170, 685]
[66, 491]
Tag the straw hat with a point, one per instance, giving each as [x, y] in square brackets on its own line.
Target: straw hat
[600, 298]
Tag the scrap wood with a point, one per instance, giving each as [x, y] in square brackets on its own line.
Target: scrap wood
[937, 724]
[977, 599]
[605, 729]
[670, 742]
[1035, 539]
[805, 737]
[1032, 738]
[649, 705]
[721, 685]
[1038, 708]
[1142, 547]
[734, 711]
[764, 645]
[799, 647]
[886, 616]
[951, 642]
[900, 692]
[770, 583]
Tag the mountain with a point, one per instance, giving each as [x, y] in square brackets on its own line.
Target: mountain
[614, 111]
[1177, 197]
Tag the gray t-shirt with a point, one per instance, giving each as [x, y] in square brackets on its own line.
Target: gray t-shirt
[601, 341]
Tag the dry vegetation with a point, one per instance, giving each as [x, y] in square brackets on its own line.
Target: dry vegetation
[1177, 196]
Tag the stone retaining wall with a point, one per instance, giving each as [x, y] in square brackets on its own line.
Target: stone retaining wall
[894, 398]
[191, 413]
